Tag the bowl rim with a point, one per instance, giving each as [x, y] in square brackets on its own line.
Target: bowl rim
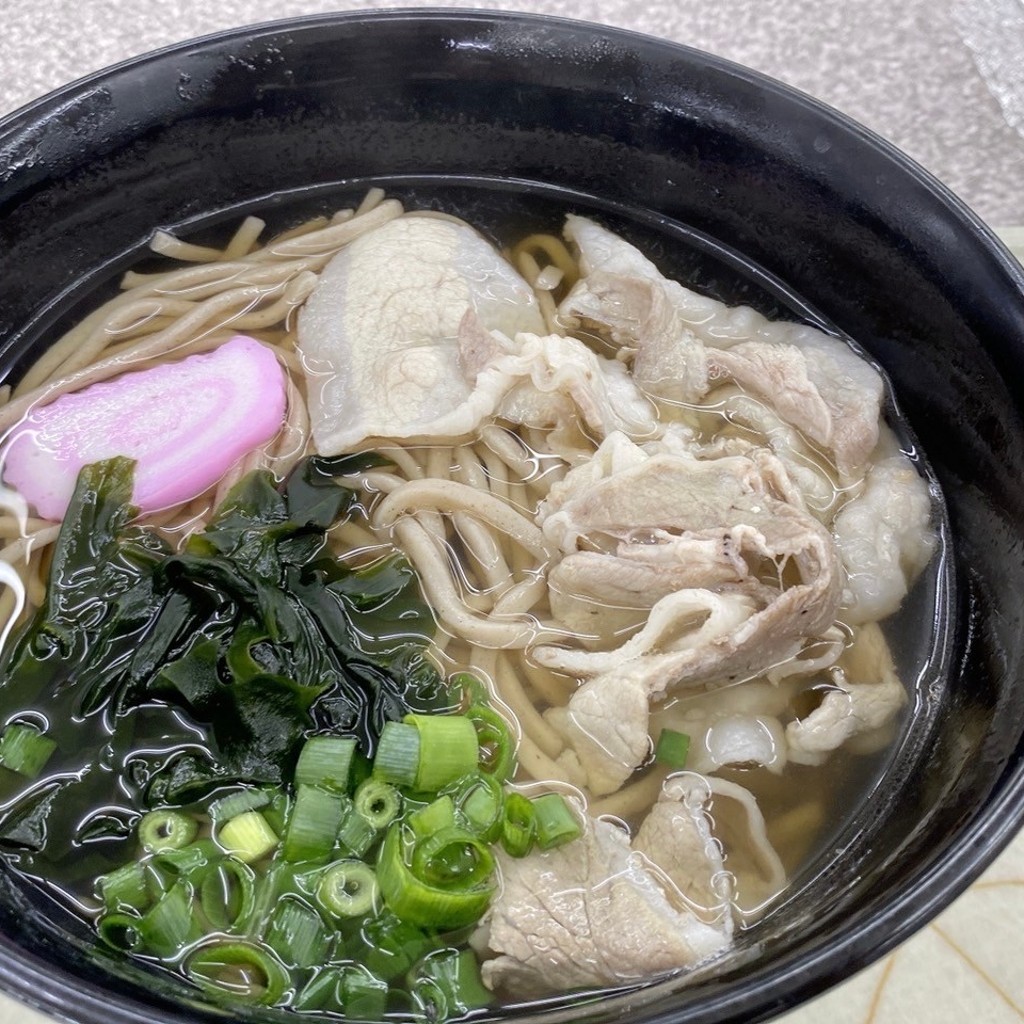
[764, 991]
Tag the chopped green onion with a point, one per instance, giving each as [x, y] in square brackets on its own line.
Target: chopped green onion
[25, 750]
[452, 858]
[186, 861]
[158, 882]
[297, 934]
[240, 970]
[227, 893]
[324, 992]
[351, 990]
[277, 811]
[313, 827]
[326, 761]
[468, 689]
[378, 802]
[355, 834]
[230, 806]
[427, 903]
[391, 946]
[448, 749]
[169, 925]
[519, 825]
[121, 931]
[365, 996]
[166, 830]
[348, 889]
[672, 748]
[247, 837]
[125, 888]
[481, 802]
[556, 823]
[398, 754]
[277, 881]
[437, 815]
[497, 747]
[447, 984]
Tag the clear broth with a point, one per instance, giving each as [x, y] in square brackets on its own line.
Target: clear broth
[80, 850]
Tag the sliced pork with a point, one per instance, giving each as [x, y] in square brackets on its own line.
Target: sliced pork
[605, 911]
[683, 345]
[748, 578]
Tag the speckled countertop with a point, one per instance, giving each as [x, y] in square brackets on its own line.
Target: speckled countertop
[942, 79]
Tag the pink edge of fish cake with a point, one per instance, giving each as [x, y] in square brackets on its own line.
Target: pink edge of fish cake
[185, 423]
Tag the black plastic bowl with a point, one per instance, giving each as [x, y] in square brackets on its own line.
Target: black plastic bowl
[274, 117]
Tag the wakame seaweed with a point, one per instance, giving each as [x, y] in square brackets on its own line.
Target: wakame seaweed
[173, 673]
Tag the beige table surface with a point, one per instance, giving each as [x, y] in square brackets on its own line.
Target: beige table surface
[942, 79]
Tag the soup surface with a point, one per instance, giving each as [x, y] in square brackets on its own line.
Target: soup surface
[410, 614]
